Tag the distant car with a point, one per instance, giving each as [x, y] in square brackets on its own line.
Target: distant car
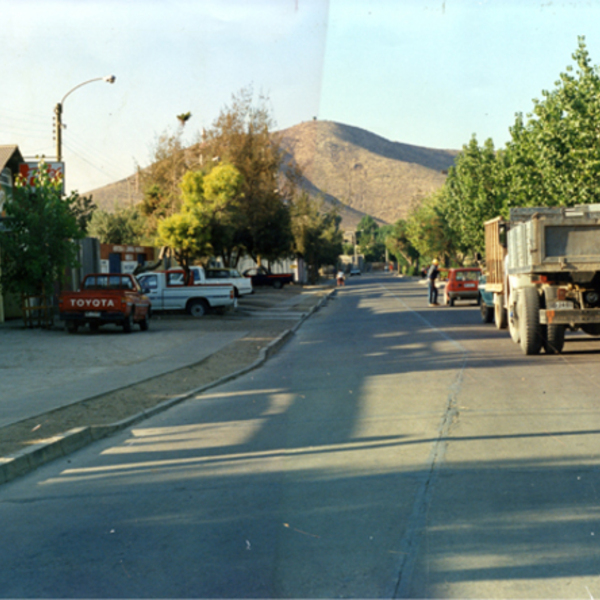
[462, 284]
[486, 302]
[262, 276]
[354, 271]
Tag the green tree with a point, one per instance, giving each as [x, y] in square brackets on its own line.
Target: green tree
[428, 232]
[553, 158]
[41, 239]
[317, 237]
[124, 226]
[160, 181]
[398, 244]
[471, 195]
[242, 136]
[209, 201]
[370, 242]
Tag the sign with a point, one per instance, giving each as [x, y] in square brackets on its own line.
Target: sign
[55, 169]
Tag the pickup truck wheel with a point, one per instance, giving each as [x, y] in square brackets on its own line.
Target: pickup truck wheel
[529, 321]
[277, 284]
[513, 317]
[127, 325]
[94, 326]
[197, 308]
[500, 317]
[144, 324]
[72, 326]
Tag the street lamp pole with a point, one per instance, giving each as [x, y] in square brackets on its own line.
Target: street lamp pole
[58, 109]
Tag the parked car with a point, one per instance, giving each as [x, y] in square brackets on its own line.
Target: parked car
[354, 271]
[462, 284]
[261, 276]
[105, 298]
[168, 291]
[486, 302]
[241, 285]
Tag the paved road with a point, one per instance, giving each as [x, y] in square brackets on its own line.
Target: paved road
[388, 450]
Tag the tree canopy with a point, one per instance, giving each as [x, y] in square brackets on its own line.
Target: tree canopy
[41, 239]
[551, 159]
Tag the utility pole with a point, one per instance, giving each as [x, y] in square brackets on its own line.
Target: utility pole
[58, 109]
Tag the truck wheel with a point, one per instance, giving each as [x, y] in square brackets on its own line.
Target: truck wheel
[500, 317]
[277, 284]
[197, 308]
[94, 326]
[144, 324]
[127, 325]
[72, 326]
[513, 317]
[554, 338]
[529, 320]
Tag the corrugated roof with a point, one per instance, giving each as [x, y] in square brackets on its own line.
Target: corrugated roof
[10, 156]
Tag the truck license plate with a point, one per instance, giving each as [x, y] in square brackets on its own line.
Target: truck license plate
[92, 314]
[469, 285]
[563, 305]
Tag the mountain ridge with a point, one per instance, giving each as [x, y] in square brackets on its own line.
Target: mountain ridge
[352, 169]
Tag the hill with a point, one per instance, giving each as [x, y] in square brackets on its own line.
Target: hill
[353, 169]
[363, 172]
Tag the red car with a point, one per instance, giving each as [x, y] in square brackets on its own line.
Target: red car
[462, 284]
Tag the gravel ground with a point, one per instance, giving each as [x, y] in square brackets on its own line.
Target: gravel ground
[120, 404]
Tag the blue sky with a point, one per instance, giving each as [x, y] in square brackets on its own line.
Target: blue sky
[423, 72]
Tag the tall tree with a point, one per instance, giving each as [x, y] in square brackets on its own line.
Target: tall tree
[553, 157]
[471, 195]
[398, 244]
[41, 239]
[242, 136]
[317, 237]
[124, 226]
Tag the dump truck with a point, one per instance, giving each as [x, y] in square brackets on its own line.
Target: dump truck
[543, 267]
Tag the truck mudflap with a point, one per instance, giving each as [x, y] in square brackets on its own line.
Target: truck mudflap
[569, 316]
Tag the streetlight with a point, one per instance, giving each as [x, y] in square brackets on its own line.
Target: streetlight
[58, 111]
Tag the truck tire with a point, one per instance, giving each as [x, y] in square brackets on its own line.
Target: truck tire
[197, 307]
[127, 325]
[529, 321]
[144, 324]
[512, 317]
[500, 317]
[72, 326]
[277, 284]
[554, 338]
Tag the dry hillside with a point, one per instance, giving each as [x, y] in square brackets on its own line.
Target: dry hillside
[353, 169]
[364, 171]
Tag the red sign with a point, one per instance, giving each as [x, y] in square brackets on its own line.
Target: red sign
[29, 170]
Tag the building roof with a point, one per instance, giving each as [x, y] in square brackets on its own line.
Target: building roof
[10, 156]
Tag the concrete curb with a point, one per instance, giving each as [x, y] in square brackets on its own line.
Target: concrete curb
[20, 463]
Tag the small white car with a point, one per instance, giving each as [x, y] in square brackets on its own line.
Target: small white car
[354, 271]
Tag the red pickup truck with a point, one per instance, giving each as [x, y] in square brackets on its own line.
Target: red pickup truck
[105, 298]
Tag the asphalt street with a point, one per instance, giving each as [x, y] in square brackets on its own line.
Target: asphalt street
[388, 450]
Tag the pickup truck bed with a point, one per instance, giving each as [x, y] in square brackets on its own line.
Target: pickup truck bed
[105, 298]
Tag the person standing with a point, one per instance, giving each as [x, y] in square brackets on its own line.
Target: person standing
[432, 275]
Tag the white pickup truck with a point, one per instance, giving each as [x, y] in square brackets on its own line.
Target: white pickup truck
[241, 285]
[167, 291]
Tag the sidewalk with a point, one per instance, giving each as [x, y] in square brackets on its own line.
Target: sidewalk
[53, 382]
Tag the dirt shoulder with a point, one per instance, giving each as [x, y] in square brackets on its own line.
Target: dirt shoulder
[123, 403]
